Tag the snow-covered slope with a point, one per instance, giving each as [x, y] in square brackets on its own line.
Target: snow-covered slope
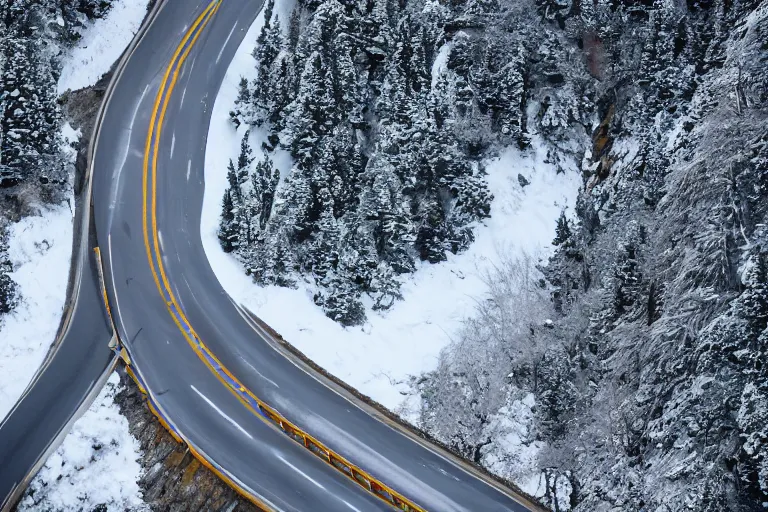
[379, 357]
[101, 44]
[96, 466]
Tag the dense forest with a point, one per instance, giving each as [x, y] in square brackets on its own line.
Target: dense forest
[643, 338]
[388, 162]
[33, 35]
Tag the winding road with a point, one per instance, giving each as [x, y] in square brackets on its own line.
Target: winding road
[217, 379]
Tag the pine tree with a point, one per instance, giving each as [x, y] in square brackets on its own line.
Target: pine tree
[510, 97]
[483, 76]
[8, 289]
[343, 161]
[268, 47]
[324, 247]
[243, 104]
[754, 299]
[282, 82]
[233, 179]
[473, 199]
[349, 93]
[340, 299]
[229, 231]
[382, 206]
[264, 181]
[421, 59]
[384, 288]
[376, 28]
[29, 114]
[432, 230]
[312, 114]
[627, 277]
[462, 54]
[359, 252]
[340, 290]
[235, 228]
[274, 260]
[294, 28]
[295, 207]
[563, 233]
[244, 159]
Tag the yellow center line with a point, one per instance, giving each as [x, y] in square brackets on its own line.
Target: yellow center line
[155, 154]
[177, 314]
[148, 144]
[206, 15]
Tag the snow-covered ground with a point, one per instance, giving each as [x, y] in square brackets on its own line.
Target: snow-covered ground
[40, 247]
[101, 44]
[96, 465]
[379, 357]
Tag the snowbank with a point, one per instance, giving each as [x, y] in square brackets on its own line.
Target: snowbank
[379, 357]
[39, 248]
[101, 44]
[96, 466]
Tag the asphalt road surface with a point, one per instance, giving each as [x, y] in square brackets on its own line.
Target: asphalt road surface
[147, 192]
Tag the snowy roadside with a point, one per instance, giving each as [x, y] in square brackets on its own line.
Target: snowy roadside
[39, 248]
[101, 44]
[380, 357]
[96, 466]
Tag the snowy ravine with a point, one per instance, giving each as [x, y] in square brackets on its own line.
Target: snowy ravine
[96, 465]
[380, 357]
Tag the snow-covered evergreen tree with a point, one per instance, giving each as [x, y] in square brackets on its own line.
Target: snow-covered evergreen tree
[29, 115]
[229, 233]
[8, 292]
[243, 109]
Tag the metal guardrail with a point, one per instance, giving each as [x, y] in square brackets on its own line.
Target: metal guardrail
[309, 442]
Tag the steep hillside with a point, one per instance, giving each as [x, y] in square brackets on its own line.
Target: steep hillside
[645, 346]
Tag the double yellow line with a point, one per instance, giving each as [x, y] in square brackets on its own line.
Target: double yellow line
[155, 128]
[155, 260]
[154, 257]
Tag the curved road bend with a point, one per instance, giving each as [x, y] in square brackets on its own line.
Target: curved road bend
[255, 455]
